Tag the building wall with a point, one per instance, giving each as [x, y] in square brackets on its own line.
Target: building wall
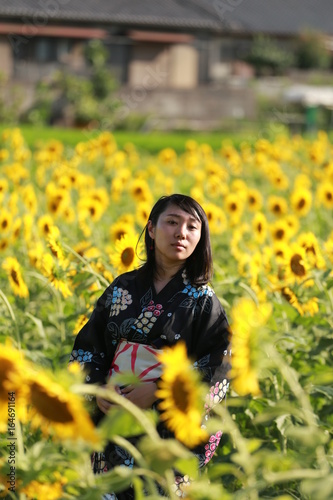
[6, 60]
[205, 106]
[183, 66]
[149, 65]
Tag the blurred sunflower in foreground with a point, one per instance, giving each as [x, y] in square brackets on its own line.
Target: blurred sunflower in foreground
[47, 404]
[182, 396]
[12, 369]
[54, 408]
[247, 320]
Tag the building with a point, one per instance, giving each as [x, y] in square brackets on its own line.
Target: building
[175, 56]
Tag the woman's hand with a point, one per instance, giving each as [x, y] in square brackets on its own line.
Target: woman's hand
[104, 404]
[142, 395]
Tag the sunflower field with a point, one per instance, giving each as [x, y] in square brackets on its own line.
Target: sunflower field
[70, 221]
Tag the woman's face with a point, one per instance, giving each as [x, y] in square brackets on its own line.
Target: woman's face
[175, 235]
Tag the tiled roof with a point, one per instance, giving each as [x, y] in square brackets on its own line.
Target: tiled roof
[273, 16]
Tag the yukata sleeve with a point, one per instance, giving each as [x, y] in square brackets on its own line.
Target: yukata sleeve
[89, 346]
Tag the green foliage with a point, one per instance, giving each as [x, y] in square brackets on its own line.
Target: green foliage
[268, 57]
[10, 101]
[77, 100]
[311, 51]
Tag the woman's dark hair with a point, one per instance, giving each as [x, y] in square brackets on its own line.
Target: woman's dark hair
[199, 266]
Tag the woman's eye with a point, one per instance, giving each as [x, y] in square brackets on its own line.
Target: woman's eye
[193, 228]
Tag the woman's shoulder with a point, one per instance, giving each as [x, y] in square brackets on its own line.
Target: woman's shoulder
[200, 289]
[125, 278]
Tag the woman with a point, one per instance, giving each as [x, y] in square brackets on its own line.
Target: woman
[165, 301]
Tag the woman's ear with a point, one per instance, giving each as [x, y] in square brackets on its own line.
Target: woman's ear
[150, 228]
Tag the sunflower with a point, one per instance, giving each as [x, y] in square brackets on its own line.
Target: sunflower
[140, 191]
[90, 208]
[290, 297]
[35, 254]
[301, 201]
[302, 181]
[13, 269]
[16, 228]
[279, 179]
[325, 194]
[54, 406]
[29, 198]
[293, 223]
[182, 396]
[247, 321]
[13, 373]
[295, 265]
[3, 187]
[260, 226]
[54, 275]
[36, 489]
[280, 250]
[120, 229]
[80, 322]
[57, 199]
[167, 156]
[4, 244]
[233, 206]
[280, 230]
[254, 200]
[125, 256]
[311, 306]
[312, 248]
[216, 218]
[6, 220]
[56, 249]
[87, 250]
[277, 205]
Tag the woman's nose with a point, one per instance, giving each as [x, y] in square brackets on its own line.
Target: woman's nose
[181, 231]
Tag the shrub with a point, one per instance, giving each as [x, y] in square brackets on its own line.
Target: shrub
[268, 57]
[311, 51]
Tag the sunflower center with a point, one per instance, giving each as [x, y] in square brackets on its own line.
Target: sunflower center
[259, 227]
[277, 209]
[180, 395]
[329, 196]
[127, 256]
[233, 207]
[301, 203]
[15, 277]
[279, 234]
[50, 406]
[4, 224]
[296, 265]
[120, 234]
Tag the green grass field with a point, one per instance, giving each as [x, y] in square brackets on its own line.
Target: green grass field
[151, 142]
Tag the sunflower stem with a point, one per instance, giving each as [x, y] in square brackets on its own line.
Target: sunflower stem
[110, 394]
[86, 262]
[11, 312]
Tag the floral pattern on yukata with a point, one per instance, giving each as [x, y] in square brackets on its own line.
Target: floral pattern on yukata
[211, 446]
[146, 320]
[217, 393]
[81, 356]
[118, 301]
